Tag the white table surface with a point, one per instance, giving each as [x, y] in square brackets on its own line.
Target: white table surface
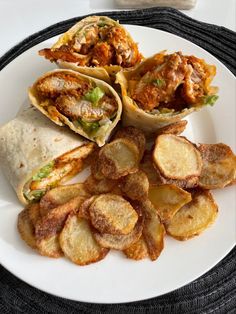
[21, 18]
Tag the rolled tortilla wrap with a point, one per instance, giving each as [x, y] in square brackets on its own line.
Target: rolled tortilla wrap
[96, 46]
[90, 107]
[164, 89]
[37, 155]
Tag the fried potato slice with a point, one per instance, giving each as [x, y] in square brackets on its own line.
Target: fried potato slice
[120, 242]
[219, 166]
[119, 158]
[147, 166]
[189, 183]
[135, 185]
[134, 135]
[137, 250]
[153, 230]
[168, 199]
[176, 157]
[78, 243]
[83, 211]
[175, 128]
[194, 217]
[34, 213]
[112, 214]
[60, 195]
[49, 227]
[26, 228]
[95, 186]
[96, 167]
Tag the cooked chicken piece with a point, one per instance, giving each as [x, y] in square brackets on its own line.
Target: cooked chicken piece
[63, 53]
[76, 108]
[82, 44]
[60, 83]
[102, 54]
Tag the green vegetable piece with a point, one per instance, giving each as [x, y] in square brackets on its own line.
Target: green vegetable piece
[94, 95]
[210, 100]
[44, 172]
[101, 24]
[89, 127]
[37, 194]
[159, 82]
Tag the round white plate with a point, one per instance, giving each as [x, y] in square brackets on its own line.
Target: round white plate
[117, 279]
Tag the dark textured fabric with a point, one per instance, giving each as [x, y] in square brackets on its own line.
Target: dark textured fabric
[215, 292]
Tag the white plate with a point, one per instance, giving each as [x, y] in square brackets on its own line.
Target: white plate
[117, 279]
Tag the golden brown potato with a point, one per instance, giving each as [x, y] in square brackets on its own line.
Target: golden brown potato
[147, 166]
[26, 228]
[60, 195]
[112, 214]
[137, 250]
[219, 166]
[83, 211]
[78, 243]
[119, 158]
[176, 157]
[153, 230]
[168, 199]
[96, 167]
[49, 227]
[135, 185]
[95, 186]
[194, 217]
[120, 242]
[134, 135]
[175, 128]
[34, 213]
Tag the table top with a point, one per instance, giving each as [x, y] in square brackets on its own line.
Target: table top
[19, 19]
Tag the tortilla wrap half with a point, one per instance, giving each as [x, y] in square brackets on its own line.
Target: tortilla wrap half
[85, 35]
[151, 120]
[104, 124]
[34, 151]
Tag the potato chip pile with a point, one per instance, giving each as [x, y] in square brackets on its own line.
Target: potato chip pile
[132, 198]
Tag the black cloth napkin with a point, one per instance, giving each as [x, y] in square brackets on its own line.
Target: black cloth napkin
[214, 292]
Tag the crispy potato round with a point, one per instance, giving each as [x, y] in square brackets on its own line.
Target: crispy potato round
[119, 158]
[135, 135]
[96, 167]
[153, 230]
[176, 157]
[146, 165]
[78, 243]
[135, 185]
[34, 213]
[194, 217]
[168, 199]
[112, 214]
[175, 128]
[26, 228]
[95, 186]
[137, 250]
[189, 183]
[50, 225]
[83, 211]
[60, 195]
[120, 242]
[219, 166]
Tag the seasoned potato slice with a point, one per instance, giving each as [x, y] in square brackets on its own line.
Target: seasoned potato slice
[137, 250]
[96, 167]
[60, 195]
[176, 157]
[34, 213]
[134, 135]
[188, 183]
[153, 230]
[120, 242]
[147, 166]
[175, 128]
[26, 228]
[83, 211]
[112, 214]
[49, 226]
[119, 158]
[168, 199]
[194, 217]
[135, 185]
[219, 166]
[95, 186]
[78, 243]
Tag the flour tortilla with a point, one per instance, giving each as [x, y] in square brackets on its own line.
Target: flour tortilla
[28, 143]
